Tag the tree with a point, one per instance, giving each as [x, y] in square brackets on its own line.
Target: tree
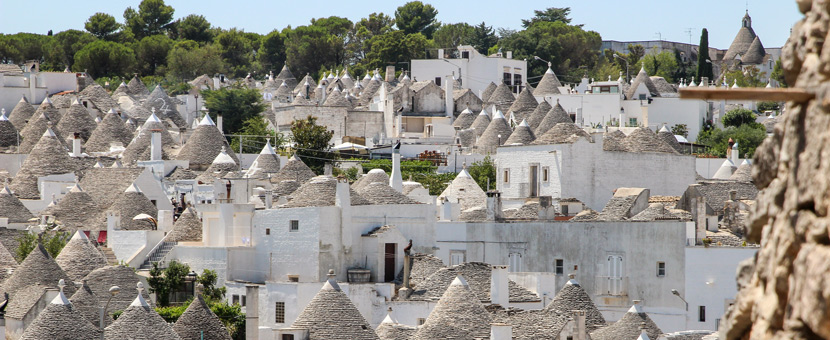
[681, 130]
[52, 241]
[164, 281]
[452, 35]
[104, 58]
[768, 106]
[153, 17]
[750, 76]
[748, 136]
[102, 26]
[738, 117]
[187, 60]
[312, 142]
[236, 51]
[9, 51]
[256, 126]
[567, 47]
[376, 24]
[236, 105]
[61, 51]
[704, 64]
[416, 17]
[778, 74]
[230, 315]
[392, 47]
[194, 27]
[308, 48]
[661, 64]
[271, 52]
[551, 14]
[483, 38]
[484, 172]
[151, 53]
[209, 290]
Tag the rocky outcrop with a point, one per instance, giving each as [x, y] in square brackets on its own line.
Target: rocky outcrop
[785, 292]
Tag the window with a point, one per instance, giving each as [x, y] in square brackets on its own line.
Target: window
[288, 337]
[235, 299]
[421, 321]
[294, 225]
[661, 269]
[632, 122]
[517, 79]
[244, 300]
[559, 267]
[564, 208]
[701, 314]
[293, 278]
[279, 312]
[457, 257]
[507, 77]
[267, 231]
[642, 96]
[466, 55]
[545, 174]
[506, 176]
[438, 81]
[515, 262]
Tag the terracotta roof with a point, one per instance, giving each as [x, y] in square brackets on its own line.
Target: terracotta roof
[188, 228]
[80, 257]
[628, 327]
[48, 157]
[331, 315]
[204, 145]
[21, 113]
[549, 85]
[458, 315]
[562, 133]
[140, 319]
[198, 322]
[556, 115]
[538, 115]
[466, 190]
[294, 170]
[60, 320]
[320, 192]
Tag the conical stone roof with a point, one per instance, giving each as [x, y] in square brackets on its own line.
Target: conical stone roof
[642, 78]
[538, 115]
[39, 268]
[266, 163]
[655, 211]
[221, 166]
[283, 94]
[140, 319]
[336, 98]
[743, 173]
[121, 91]
[614, 141]
[61, 320]
[302, 83]
[754, 54]
[374, 176]
[79, 257]
[294, 170]
[35, 129]
[76, 120]
[204, 145]
[644, 140]
[573, 297]
[549, 85]
[165, 106]
[99, 97]
[188, 228]
[369, 91]
[488, 91]
[495, 135]
[522, 134]
[86, 304]
[12, 208]
[100, 280]
[668, 137]
[466, 190]
[502, 98]
[742, 40]
[286, 75]
[524, 105]
[556, 115]
[562, 133]
[110, 129]
[7, 263]
[321, 191]
[331, 315]
[465, 119]
[458, 315]
[629, 326]
[128, 205]
[198, 322]
[48, 157]
[481, 122]
[137, 88]
[382, 193]
[21, 113]
[50, 109]
[727, 168]
[139, 147]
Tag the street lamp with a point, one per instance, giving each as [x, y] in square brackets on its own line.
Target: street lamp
[618, 56]
[675, 292]
[114, 290]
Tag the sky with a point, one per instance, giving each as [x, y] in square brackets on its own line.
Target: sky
[638, 20]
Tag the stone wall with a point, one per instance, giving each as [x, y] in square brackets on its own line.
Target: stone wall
[784, 292]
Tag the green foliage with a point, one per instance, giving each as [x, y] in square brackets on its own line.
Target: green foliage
[230, 315]
[704, 68]
[52, 241]
[271, 53]
[419, 171]
[236, 105]
[20, 47]
[308, 48]
[151, 53]
[484, 172]
[187, 60]
[104, 58]
[153, 17]
[256, 126]
[194, 27]
[435, 183]
[392, 47]
[661, 64]
[748, 77]
[748, 136]
[236, 50]
[312, 142]
[172, 313]
[550, 14]
[417, 17]
[102, 26]
[208, 281]
[768, 106]
[738, 117]
[453, 35]
[365, 29]
[164, 281]
[483, 38]
[778, 74]
[680, 129]
[61, 51]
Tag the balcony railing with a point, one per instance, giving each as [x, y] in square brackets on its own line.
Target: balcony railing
[613, 286]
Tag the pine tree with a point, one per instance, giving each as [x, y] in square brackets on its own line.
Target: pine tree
[704, 68]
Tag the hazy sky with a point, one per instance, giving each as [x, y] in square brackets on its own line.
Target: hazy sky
[638, 20]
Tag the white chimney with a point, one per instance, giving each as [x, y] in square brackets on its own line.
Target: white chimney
[581, 332]
[440, 53]
[76, 146]
[499, 291]
[493, 205]
[269, 199]
[448, 97]
[735, 155]
[219, 123]
[396, 181]
[509, 54]
[327, 169]
[390, 74]
[155, 146]
[113, 220]
[252, 312]
[500, 331]
[165, 220]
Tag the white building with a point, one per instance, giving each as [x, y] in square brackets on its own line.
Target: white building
[474, 70]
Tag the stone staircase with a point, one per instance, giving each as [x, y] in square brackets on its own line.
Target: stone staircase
[109, 255]
[157, 255]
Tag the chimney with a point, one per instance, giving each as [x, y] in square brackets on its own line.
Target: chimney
[406, 290]
[499, 291]
[155, 146]
[165, 220]
[735, 156]
[501, 331]
[509, 54]
[440, 53]
[733, 195]
[269, 199]
[76, 145]
[493, 205]
[252, 312]
[446, 209]
[327, 169]
[113, 219]
[219, 123]
[580, 332]
[704, 81]
[390, 74]
[448, 97]
[396, 181]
